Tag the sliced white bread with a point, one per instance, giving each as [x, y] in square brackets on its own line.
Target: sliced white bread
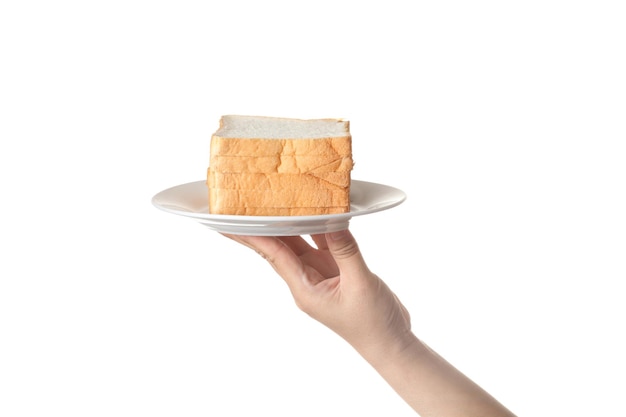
[269, 166]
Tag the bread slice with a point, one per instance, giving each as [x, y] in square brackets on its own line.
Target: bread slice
[280, 198]
[260, 147]
[270, 166]
[277, 211]
[277, 181]
[284, 164]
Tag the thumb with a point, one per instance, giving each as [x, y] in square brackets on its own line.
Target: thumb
[345, 250]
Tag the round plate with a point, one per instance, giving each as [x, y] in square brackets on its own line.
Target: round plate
[192, 200]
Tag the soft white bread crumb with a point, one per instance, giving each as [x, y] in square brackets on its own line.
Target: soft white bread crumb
[234, 126]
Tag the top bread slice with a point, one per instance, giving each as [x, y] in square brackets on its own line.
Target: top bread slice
[291, 163]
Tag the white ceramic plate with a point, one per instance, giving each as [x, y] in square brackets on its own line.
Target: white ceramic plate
[191, 200]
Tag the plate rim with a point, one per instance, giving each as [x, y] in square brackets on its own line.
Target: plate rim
[270, 219]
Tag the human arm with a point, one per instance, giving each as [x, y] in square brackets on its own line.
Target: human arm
[332, 283]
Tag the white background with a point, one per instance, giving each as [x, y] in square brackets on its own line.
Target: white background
[502, 121]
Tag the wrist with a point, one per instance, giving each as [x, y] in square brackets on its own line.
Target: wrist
[379, 355]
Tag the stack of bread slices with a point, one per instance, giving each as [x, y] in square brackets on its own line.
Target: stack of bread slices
[271, 166]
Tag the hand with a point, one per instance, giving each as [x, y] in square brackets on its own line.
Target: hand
[332, 284]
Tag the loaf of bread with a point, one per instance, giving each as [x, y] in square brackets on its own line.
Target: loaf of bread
[272, 166]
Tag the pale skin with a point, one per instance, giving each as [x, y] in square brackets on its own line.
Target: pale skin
[331, 282]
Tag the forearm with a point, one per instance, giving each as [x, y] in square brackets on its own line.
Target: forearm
[431, 385]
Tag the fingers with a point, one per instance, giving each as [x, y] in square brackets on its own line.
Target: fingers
[346, 253]
[298, 245]
[270, 248]
[289, 253]
[281, 255]
[317, 259]
[301, 266]
[320, 241]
